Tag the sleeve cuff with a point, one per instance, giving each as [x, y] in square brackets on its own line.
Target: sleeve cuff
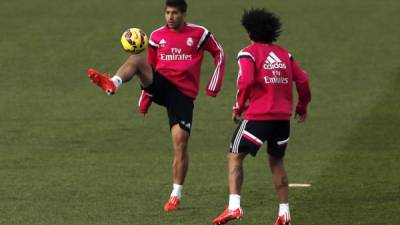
[211, 93]
[236, 111]
[301, 109]
[143, 111]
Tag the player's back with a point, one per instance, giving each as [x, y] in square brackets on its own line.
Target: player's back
[271, 92]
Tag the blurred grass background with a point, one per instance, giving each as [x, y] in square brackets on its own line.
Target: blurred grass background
[70, 155]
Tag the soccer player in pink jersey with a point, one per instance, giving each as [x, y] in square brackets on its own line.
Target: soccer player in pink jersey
[171, 78]
[264, 98]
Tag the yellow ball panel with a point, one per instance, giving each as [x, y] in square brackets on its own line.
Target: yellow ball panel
[134, 40]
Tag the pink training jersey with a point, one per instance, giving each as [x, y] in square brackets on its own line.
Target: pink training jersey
[177, 55]
[266, 74]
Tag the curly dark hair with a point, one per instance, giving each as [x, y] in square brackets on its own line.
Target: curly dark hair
[179, 4]
[262, 25]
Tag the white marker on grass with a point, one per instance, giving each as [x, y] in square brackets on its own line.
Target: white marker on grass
[299, 185]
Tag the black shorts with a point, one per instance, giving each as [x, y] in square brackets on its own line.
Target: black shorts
[251, 134]
[179, 106]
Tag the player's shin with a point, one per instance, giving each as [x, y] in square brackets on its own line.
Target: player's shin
[235, 174]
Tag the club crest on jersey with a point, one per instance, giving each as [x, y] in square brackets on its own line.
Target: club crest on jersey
[273, 62]
[189, 41]
[163, 42]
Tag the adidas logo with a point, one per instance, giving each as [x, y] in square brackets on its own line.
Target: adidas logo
[188, 125]
[163, 42]
[273, 62]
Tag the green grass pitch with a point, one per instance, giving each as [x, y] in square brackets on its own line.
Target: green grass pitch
[70, 155]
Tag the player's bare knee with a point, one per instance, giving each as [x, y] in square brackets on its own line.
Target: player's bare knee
[235, 157]
[134, 60]
[180, 136]
[180, 141]
[180, 147]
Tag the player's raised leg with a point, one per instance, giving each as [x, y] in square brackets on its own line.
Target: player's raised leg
[134, 65]
[235, 174]
[281, 184]
[180, 165]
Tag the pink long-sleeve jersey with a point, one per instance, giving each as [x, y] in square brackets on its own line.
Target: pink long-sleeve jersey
[266, 74]
[177, 55]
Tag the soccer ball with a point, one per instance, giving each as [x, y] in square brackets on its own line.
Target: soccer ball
[134, 40]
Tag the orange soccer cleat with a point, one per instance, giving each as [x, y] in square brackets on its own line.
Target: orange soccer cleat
[228, 215]
[102, 80]
[172, 204]
[282, 221]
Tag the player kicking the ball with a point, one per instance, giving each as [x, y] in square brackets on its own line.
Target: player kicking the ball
[264, 97]
[171, 78]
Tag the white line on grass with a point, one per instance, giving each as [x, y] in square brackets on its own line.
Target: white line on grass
[299, 185]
